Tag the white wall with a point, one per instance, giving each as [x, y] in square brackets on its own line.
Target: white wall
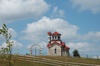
[51, 51]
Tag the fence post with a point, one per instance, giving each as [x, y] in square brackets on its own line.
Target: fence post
[87, 56]
[97, 57]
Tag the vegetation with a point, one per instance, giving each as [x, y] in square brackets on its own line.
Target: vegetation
[74, 59]
[76, 53]
[22, 62]
[6, 53]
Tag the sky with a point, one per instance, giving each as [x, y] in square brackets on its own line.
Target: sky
[29, 21]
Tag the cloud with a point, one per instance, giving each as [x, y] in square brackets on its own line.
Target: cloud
[11, 10]
[37, 31]
[78, 45]
[81, 46]
[95, 36]
[57, 13]
[16, 45]
[41, 44]
[15, 48]
[84, 48]
[11, 31]
[82, 5]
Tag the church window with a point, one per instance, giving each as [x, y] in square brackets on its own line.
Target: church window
[55, 50]
[59, 37]
[53, 37]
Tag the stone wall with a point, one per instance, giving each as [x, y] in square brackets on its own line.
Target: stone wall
[53, 52]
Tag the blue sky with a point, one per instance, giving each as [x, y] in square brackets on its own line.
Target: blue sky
[29, 21]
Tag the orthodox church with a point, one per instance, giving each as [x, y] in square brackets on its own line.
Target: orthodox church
[55, 45]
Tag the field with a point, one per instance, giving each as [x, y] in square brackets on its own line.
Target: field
[24, 61]
[21, 61]
[72, 59]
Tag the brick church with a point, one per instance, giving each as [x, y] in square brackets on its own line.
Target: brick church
[55, 45]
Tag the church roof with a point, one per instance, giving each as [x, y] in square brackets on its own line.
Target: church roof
[49, 33]
[56, 33]
[62, 45]
[48, 45]
[66, 47]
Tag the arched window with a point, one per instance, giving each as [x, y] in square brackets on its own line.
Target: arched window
[55, 50]
[52, 37]
[59, 37]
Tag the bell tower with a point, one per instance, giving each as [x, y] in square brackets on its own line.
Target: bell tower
[55, 45]
[54, 37]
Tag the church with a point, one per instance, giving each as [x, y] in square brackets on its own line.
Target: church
[55, 45]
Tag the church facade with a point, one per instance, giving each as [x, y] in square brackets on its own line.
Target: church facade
[55, 45]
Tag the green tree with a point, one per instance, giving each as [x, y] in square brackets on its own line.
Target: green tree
[6, 53]
[76, 53]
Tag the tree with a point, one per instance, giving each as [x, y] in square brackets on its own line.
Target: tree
[76, 53]
[6, 53]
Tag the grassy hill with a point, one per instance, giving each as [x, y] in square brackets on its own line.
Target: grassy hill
[28, 60]
[24, 63]
[72, 59]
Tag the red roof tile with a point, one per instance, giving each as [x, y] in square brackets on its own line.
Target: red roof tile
[56, 33]
[48, 45]
[49, 33]
[63, 43]
[66, 47]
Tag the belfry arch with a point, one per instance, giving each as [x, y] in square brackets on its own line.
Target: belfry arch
[34, 45]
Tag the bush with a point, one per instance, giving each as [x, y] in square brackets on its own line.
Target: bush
[76, 53]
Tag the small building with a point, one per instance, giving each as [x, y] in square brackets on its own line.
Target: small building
[55, 45]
